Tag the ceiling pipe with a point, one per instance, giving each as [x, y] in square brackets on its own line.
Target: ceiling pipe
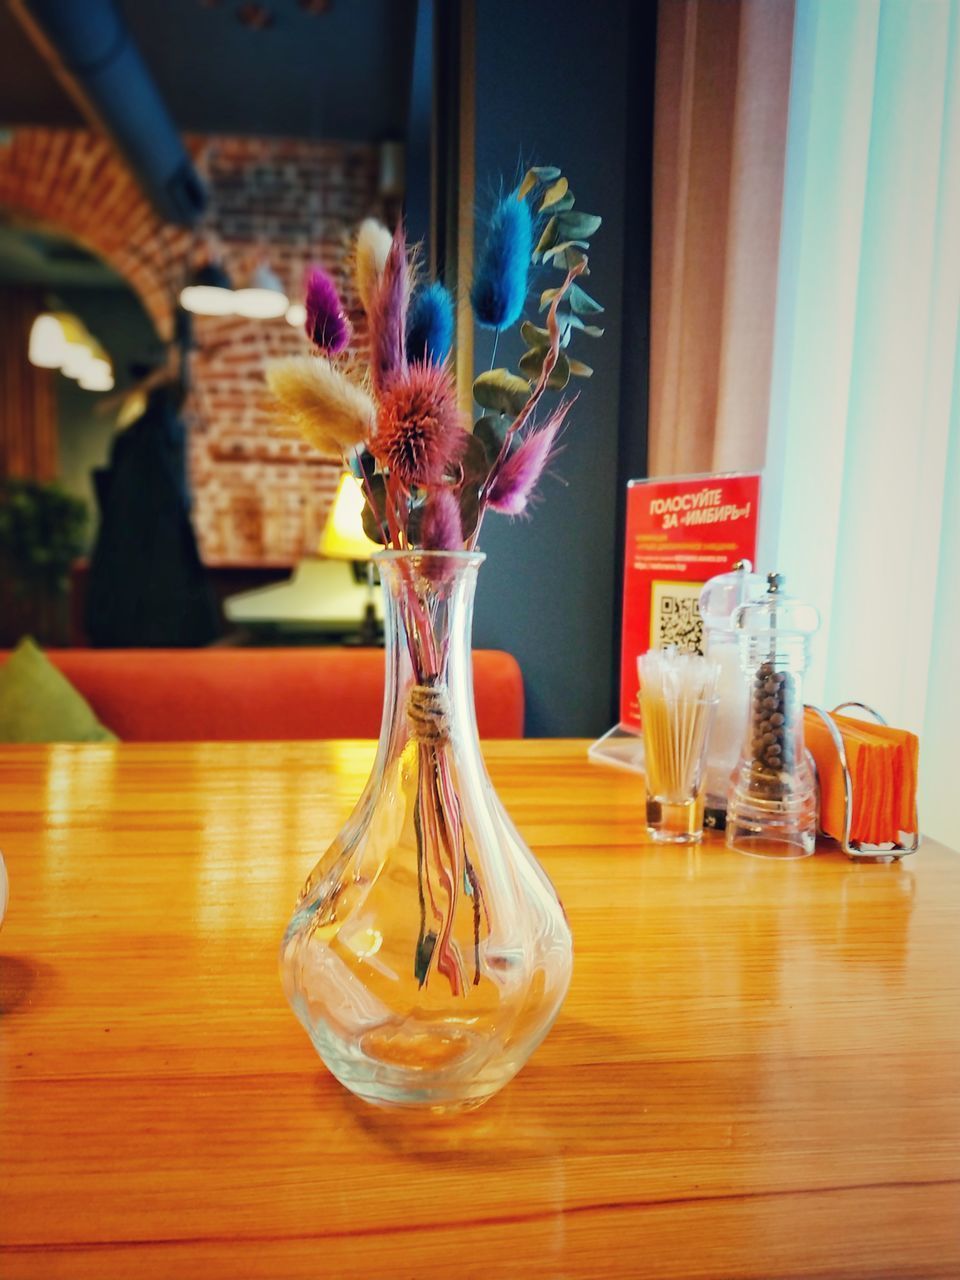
[93, 55]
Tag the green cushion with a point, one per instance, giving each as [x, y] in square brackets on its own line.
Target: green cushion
[39, 704]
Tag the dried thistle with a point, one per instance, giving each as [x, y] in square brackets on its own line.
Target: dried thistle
[331, 413]
[419, 429]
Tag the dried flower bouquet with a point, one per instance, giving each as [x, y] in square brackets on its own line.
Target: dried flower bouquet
[428, 476]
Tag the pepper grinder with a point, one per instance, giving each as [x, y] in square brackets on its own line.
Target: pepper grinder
[772, 802]
[718, 600]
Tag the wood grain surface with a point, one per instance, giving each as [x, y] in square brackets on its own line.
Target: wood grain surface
[755, 1074]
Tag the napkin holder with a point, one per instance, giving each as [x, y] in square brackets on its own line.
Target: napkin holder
[858, 850]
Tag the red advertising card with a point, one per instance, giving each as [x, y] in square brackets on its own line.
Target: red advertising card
[680, 532]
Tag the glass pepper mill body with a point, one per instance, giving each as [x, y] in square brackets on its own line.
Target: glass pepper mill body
[772, 803]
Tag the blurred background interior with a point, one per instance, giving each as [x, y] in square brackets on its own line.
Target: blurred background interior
[778, 261]
[165, 161]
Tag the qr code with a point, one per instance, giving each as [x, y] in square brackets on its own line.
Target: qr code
[675, 616]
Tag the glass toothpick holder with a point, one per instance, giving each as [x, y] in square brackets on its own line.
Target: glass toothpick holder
[719, 599]
[677, 703]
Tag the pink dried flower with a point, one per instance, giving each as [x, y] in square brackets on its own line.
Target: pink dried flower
[512, 486]
[442, 529]
[388, 315]
[419, 429]
[327, 325]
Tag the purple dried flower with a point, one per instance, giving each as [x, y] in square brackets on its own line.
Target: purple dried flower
[388, 315]
[516, 479]
[442, 529]
[327, 325]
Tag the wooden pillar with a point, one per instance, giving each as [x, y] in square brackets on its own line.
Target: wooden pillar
[28, 404]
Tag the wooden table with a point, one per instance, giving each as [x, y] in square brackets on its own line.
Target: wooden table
[756, 1072]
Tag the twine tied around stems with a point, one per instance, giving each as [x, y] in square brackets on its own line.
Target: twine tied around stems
[428, 713]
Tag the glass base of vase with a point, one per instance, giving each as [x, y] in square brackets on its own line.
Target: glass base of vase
[400, 1068]
[416, 1105]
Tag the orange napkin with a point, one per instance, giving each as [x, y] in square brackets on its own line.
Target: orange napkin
[883, 770]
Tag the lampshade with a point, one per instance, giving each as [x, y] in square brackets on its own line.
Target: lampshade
[210, 292]
[77, 360]
[343, 536]
[74, 330]
[98, 376]
[264, 299]
[48, 342]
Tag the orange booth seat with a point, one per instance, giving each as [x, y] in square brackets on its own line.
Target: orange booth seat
[195, 695]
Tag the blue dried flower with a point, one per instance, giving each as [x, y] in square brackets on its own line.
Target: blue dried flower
[430, 324]
[500, 279]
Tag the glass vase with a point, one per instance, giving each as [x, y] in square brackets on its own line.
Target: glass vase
[428, 954]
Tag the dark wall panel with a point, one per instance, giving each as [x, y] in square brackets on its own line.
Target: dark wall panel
[555, 85]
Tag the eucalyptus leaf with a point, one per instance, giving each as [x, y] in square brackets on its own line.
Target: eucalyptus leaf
[564, 203]
[414, 526]
[474, 461]
[553, 193]
[363, 463]
[546, 172]
[533, 335]
[374, 517]
[591, 330]
[469, 496]
[581, 303]
[532, 364]
[526, 186]
[580, 370]
[376, 488]
[574, 225]
[562, 246]
[501, 390]
[560, 374]
[491, 432]
[546, 239]
[572, 257]
[547, 297]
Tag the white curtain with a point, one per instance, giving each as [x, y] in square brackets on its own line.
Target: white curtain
[863, 465]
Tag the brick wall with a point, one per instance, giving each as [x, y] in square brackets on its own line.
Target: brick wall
[259, 497]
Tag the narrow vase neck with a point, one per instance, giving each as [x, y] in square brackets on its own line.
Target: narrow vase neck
[428, 618]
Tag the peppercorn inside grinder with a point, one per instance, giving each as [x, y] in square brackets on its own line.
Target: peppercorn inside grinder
[720, 597]
[772, 802]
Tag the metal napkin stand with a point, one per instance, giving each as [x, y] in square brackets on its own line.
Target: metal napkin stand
[859, 850]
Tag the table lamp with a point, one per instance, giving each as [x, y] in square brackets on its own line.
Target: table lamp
[343, 538]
